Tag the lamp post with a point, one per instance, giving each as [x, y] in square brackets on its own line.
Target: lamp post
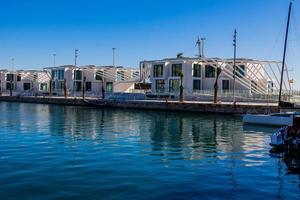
[234, 67]
[74, 85]
[54, 60]
[114, 56]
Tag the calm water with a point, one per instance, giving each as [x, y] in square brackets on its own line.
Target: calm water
[57, 152]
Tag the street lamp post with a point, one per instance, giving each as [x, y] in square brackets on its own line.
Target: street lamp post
[74, 85]
[114, 56]
[234, 67]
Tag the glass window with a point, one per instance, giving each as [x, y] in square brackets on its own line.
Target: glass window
[120, 75]
[197, 70]
[210, 71]
[160, 86]
[135, 74]
[19, 77]
[61, 74]
[9, 86]
[10, 77]
[196, 84]
[99, 75]
[176, 70]
[54, 74]
[27, 86]
[43, 87]
[78, 75]
[158, 71]
[174, 85]
[88, 86]
[240, 71]
[109, 87]
[78, 85]
[225, 84]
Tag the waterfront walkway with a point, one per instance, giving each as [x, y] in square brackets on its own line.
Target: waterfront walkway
[186, 106]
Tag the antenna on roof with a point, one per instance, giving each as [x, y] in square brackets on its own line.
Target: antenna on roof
[198, 44]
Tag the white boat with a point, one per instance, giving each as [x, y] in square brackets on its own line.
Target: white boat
[276, 119]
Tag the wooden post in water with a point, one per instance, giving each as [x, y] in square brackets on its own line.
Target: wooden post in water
[10, 88]
[65, 88]
[83, 87]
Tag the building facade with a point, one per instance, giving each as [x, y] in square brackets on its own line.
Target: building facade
[24, 81]
[200, 75]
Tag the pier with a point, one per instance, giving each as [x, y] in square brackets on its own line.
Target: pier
[186, 106]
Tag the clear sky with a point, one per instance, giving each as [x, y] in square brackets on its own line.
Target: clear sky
[32, 30]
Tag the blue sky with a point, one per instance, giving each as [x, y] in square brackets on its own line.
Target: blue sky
[32, 30]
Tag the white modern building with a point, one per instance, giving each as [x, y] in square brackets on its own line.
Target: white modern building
[95, 79]
[199, 75]
[20, 82]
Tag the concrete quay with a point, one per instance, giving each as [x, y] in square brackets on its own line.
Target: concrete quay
[187, 106]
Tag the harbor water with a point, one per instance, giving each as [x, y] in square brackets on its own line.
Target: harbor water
[61, 152]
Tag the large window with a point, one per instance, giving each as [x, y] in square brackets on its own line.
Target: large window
[160, 86]
[61, 74]
[240, 71]
[43, 87]
[120, 75]
[109, 87]
[158, 71]
[225, 85]
[19, 77]
[99, 75]
[54, 74]
[196, 84]
[9, 86]
[78, 75]
[210, 71]
[197, 70]
[10, 77]
[88, 86]
[176, 70]
[78, 86]
[26, 86]
[174, 85]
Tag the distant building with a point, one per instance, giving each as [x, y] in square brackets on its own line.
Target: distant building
[24, 81]
[199, 75]
[96, 78]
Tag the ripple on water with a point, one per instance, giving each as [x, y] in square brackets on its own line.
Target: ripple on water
[55, 152]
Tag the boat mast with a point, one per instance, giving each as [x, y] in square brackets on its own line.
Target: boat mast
[284, 53]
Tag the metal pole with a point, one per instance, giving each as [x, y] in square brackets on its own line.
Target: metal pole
[284, 53]
[74, 85]
[114, 57]
[54, 60]
[202, 48]
[234, 67]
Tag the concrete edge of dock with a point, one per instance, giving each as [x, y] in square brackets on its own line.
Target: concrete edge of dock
[200, 107]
